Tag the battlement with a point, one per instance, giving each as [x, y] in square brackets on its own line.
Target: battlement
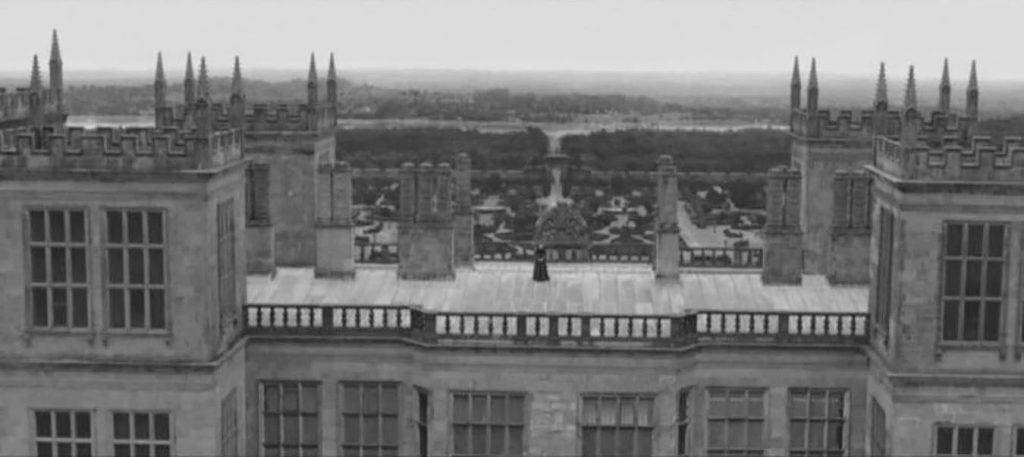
[127, 150]
[861, 125]
[949, 159]
[257, 117]
[16, 105]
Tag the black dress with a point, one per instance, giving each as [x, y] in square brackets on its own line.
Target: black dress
[540, 265]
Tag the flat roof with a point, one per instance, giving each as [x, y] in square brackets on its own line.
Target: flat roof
[576, 288]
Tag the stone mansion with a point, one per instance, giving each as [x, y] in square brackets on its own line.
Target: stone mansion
[195, 289]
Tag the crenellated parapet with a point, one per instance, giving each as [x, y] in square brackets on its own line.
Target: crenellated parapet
[978, 159]
[128, 149]
[260, 117]
[864, 125]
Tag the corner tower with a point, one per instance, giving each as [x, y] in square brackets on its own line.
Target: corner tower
[825, 142]
[120, 245]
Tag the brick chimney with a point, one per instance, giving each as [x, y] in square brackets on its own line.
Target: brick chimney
[259, 230]
[335, 239]
[463, 212]
[426, 242]
[783, 239]
[851, 228]
[666, 247]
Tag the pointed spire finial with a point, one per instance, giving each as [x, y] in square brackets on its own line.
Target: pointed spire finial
[36, 83]
[795, 81]
[972, 83]
[236, 78]
[910, 98]
[160, 67]
[189, 75]
[54, 48]
[812, 80]
[331, 74]
[204, 81]
[312, 68]
[881, 88]
[945, 74]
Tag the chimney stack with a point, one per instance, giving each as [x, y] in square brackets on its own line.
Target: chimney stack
[335, 237]
[666, 247]
[851, 228]
[783, 239]
[463, 212]
[426, 241]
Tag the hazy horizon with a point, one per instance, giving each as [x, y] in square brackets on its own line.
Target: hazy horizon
[741, 37]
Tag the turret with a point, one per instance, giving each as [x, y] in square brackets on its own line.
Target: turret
[190, 84]
[159, 84]
[794, 86]
[36, 82]
[57, 73]
[204, 81]
[881, 91]
[312, 96]
[910, 97]
[36, 107]
[332, 83]
[911, 117]
[944, 88]
[812, 89]
[972, 101]
[203, 120]
[237, 101]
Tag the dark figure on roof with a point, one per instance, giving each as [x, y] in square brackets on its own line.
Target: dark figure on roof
[540, 265]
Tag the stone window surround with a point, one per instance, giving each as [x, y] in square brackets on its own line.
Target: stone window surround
[955, 434]
[639, 429]
[878, 427]
[147, 286]
[488, 422]
[47, 245]
[78, 441]
[349, 446]
[963, 257]
[280, 412]
[827, 418]
[155, 445]
[711, 418]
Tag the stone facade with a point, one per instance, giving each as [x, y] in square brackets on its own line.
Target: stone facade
[299, 215]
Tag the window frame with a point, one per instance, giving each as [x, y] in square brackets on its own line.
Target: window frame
[708, 419]
[167, 286]
[47, 245]
[398, 414]
[684, 404]
[257, 212]
[963, 258]
[151, 442]
[790, 419]
[229, 430]
[227, 268]
[262, 412]
[35, 440]
[956, 427]
[619, 397]
[886, 262]
[489, 394]
[875, 413]
[1017, 441]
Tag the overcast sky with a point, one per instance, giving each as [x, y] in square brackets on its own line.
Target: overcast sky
[848, 37]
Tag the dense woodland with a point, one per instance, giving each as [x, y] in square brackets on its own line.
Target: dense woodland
[751, 150]
[378, 148]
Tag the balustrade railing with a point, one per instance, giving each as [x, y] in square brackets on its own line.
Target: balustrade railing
[665, 330]
[721, 257]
